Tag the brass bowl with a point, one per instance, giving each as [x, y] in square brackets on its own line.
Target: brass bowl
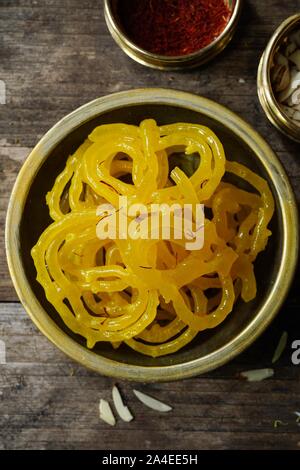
[164, 62]
[28, 216]
[265, 92]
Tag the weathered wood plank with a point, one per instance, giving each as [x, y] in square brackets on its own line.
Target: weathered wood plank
[47, 401]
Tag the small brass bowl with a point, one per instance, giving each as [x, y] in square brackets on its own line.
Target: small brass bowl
[167, 62]
[264, 86]
[28, 216]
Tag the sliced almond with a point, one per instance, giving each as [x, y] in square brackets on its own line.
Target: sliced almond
[294, 99]
[293, 85]
[281, 78]
[257, 375]
[285, 80]
[295, 58]
[290, 49]
[280, 59]
[122, 410]
[296, 117]
[106, 413]
[152, 402]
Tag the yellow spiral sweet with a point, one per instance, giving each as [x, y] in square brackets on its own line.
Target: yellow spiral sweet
[155, 295]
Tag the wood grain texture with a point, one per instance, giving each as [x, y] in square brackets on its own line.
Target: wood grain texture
[55, 56]
[49, 402]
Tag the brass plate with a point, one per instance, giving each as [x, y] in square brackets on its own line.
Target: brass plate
[28, 216]
[264, 87]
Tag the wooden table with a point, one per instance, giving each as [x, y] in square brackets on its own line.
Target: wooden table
[55, 56]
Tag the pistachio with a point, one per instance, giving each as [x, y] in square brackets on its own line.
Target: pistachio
[294, 99]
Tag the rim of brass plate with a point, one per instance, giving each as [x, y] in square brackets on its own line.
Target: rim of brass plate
[267, 311]
[177, 62]
[264, 87]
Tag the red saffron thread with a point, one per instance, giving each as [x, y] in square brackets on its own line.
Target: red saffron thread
[173, 27]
